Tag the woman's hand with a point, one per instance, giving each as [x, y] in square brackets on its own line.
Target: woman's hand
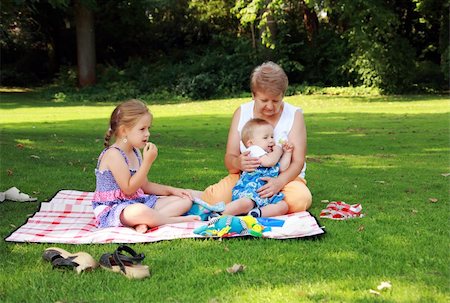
[149, 153]
[247, 163]
[271, 188]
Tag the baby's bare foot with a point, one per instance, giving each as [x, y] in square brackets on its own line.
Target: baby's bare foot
[141, 228]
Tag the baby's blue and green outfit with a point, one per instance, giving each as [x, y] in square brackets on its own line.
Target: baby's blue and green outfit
[250, 182]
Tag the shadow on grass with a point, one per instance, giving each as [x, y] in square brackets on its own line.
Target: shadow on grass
[24, 99]
[385, 98]
[389, 163]
[191, 149]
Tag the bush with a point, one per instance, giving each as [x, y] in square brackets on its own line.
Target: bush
[428, 76]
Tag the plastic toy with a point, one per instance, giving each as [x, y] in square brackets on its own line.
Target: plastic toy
[228, 226]
[203, 210]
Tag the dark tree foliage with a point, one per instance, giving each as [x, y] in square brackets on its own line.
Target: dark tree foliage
[201, 48]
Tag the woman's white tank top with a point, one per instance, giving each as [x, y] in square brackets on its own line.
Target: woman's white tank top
[281, 130]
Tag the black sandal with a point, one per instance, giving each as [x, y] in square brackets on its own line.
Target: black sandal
[60, 258]
[130, 266]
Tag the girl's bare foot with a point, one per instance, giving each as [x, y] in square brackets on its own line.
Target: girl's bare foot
[141, 228]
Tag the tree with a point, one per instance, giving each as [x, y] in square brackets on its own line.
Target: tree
[84, 22]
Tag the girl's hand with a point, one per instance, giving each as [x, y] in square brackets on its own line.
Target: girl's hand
[182, 193]
[271, 188]
[247, 163]
[149, 153]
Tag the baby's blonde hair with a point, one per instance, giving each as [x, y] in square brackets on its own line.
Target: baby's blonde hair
[269, 77]
[248, 130]
[127, 114]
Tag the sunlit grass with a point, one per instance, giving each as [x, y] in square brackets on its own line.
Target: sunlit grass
[390, 154]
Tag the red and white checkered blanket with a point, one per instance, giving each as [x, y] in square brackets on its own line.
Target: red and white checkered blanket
[69, 218]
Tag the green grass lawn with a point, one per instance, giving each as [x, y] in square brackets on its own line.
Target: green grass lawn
[387, 153]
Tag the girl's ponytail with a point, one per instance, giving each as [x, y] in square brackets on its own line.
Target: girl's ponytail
[108, 136]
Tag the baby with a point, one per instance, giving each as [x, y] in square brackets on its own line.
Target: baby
[257, 136]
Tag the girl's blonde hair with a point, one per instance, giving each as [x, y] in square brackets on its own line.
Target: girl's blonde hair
[248, 129]
[126, 114]
[269, 77]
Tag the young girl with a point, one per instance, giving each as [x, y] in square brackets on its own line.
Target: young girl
[257, 136]
[123, 195]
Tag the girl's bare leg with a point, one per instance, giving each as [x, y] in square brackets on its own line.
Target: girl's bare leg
[139, 214]
[272, 210]
[173, 206]
[239, 207]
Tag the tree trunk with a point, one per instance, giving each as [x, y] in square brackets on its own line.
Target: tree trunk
[310, 21]
[84, 22]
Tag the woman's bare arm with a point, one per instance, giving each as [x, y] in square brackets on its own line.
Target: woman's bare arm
[236, 162]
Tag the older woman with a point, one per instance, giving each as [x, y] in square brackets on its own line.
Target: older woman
[268, 85]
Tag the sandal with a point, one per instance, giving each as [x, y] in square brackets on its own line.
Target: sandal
[341, 211]
[130, 266]
[14, 194]
[60, 258]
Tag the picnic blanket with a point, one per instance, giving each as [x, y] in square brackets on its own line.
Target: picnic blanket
[68, 218]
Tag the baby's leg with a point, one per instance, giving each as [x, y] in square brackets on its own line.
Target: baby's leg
[239, 207]
[272, 210]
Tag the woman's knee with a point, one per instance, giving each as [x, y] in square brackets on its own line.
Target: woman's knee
[220, 191]
[298, 197]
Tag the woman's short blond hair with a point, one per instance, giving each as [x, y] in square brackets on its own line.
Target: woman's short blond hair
[269, 77]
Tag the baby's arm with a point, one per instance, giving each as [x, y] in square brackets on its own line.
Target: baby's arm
[272, 158]
[286, 158]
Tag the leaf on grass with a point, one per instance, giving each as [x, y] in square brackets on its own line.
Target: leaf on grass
[20, 146]
[381, 182]
[374, 292]
[414, 211]
[433, 200]
[35, 157]
[361, 228]
[225, 248]
[235, 268]
[12, 225]
[445, 175]
[10, 172]
[384, 285]
[324, 201]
